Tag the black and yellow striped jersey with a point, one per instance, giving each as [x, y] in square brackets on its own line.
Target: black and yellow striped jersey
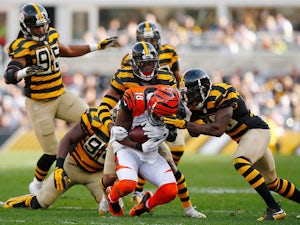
[124, 79]
[47, 84]
[224, 95]
[167, 57]
[89, 153]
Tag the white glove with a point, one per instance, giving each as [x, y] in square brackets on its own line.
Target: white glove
[118, 133]
[156, 132]
[29, 71]
[152, 144]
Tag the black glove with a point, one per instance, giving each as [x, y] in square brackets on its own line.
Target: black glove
[61, 178]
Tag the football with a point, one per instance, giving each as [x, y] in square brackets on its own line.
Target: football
[137, 135]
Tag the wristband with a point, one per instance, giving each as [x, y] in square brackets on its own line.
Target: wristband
[138, 146]
[22, 73]
[60, 162]
[94, 47]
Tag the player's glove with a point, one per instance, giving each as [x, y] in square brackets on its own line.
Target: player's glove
[150, 145]
[109, 42]
[29, 71]
[61, 178]
[118, 133]
[173, 121]
[155, 131]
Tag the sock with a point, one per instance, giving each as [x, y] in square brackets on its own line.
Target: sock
[140, 184]
[34, 204]
[285, 189]
[43, 166]
[121, 188]
[256, 180]
[183, 193]
[163, 194]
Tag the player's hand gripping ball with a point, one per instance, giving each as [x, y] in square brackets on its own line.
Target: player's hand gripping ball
[137, 135]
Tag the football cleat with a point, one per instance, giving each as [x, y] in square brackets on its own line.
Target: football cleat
[114, 208]
[35, 186]
[141, 207]
[17, 202]
[192, 212]
[273, 214]
[104, 208]
[136, 197]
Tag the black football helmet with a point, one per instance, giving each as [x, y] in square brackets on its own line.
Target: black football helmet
[195, 87]
[144, 61]
[34, 15]
[148, 32]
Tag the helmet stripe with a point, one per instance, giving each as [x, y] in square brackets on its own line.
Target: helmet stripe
[147, 27]
[37, 9]
[145, 48]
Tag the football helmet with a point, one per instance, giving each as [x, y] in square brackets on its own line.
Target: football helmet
[34, 15]
[148, 32]
[162, 103]
[144, 61]
[195, 87]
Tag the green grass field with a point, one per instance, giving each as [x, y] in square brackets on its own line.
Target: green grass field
[215, 188]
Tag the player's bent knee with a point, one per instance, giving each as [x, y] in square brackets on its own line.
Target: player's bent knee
[108, 180]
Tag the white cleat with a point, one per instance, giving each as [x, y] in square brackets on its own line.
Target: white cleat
[104, 208]
[35, 186]
[136, 197]
[192, 212]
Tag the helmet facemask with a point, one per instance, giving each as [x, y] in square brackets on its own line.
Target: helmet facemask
[144, 61]
[195, 93]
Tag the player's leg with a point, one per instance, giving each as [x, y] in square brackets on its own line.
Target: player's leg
[45, 198]
[158, 174]
[108, 178]
[41, 115]
[285, 188]
[70, 107]
[127, 164]
[183, 192]
[248, 154]
[177, 147]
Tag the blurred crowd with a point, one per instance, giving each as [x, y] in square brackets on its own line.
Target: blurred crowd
[269, 32]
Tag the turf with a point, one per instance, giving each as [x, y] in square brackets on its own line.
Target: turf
[215, 188]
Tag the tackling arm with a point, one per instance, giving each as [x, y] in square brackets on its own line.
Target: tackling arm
[61, 178]
[71, 137]
[216, 128]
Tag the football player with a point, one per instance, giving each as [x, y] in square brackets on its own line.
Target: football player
[34, 58]
[169, 61]
[217, 109]
[80, 160]
[142, 71]
[143, 106]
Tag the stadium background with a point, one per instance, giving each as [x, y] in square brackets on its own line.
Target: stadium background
[206, 34]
